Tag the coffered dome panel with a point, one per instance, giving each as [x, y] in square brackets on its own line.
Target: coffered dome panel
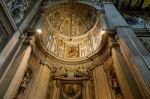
[71, 19]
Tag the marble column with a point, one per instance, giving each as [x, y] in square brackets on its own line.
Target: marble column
[40, 83]
[100, 84]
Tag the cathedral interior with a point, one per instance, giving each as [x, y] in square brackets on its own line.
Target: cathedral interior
[74, 49]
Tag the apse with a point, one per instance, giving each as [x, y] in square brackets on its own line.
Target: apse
[71, 30]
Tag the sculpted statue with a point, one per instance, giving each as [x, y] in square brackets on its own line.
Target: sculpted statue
[24, 84]
[17, 9]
